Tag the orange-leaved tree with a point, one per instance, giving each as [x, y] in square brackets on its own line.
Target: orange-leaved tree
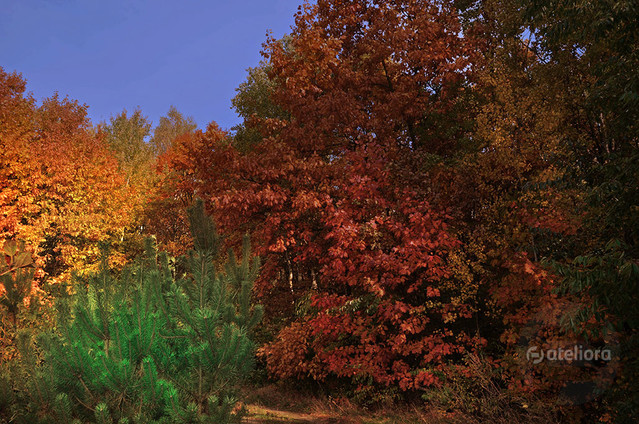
[60, 190]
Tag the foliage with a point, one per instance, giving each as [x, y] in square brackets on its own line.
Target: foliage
[16, 275]
[342, 214]
[60, 190]
[171, 126]
[147, 346]
[595, 41]
[126, 137]
[16, 279]
[428, 182]
[253, 102]
[411, 170]
[176, 188]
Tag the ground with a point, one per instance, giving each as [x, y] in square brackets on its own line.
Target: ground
[276, 404]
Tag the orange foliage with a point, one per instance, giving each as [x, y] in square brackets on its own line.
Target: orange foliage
[59, 187]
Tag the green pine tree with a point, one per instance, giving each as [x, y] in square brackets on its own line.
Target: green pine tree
[147, 346]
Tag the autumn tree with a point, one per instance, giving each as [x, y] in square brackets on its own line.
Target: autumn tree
[335, 190]
[528, 190]
[404, 183]
[60, 190]
[176, 187]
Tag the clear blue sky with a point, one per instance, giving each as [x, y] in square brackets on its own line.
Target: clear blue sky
[116, 54]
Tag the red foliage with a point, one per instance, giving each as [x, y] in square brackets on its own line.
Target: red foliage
[336, 204]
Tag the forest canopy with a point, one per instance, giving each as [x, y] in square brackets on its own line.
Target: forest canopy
[439, 192]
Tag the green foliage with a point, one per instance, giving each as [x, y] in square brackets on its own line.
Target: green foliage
[7, 396]
[603, 35]
[145, 346]
[596, 42]
[171, 126]
[254, 102]
[126, 137]
[63, 408]
[254, 95]
[608, 279]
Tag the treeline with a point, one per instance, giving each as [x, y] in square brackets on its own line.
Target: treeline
[437, 189]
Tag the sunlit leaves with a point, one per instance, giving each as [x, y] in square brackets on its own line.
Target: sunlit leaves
[60, 189]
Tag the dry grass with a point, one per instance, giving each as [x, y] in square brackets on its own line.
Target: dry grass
[280, 404]
[477, 400]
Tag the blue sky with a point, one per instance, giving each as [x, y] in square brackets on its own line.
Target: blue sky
[116, 54]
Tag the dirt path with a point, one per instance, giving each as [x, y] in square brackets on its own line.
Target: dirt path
[262, 415]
